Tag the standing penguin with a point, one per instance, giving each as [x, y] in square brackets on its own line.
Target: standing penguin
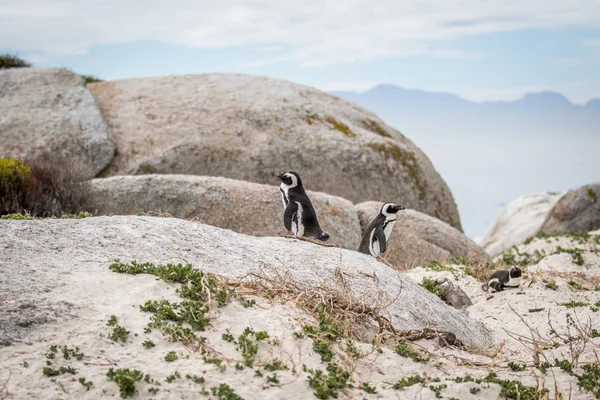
[299, 216]
[377, 234]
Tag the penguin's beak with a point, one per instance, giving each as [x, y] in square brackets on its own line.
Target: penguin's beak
[400, 208]
[277, 175]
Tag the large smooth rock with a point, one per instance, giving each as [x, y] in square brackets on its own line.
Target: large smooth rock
[74, 255]
[248, 127]
[518, 220]
[577, 211]
[243, 207]
[49, 111]
[418, 239]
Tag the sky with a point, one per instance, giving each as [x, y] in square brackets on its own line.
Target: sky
[478, 49]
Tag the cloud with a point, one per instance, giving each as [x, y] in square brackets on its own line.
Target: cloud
[311, 33]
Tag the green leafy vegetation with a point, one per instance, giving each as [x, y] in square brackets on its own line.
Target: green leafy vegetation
[564, 365]
[224, 392]
[326, 386]
[323, 348]
[195, 378]
[368, 388]
[172, 377]
[248, 344]
[275, 365]
[87, 384]
[118, 334]
[433, 287]
[590, 379]
[551, 285]
[49, 371]
[405, 350]
[8, 60]
[148, 344]
[573, 304]
[411, 380]
[171, 356]
[125, 379]
[512, 389]
[438, 390]
[516, 366]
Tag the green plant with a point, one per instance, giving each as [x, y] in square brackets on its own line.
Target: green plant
[596, 306]
[48, 371]
[172, 377]
[590, 379]
[411, 380]
[564, 365]
[195, 379]
[576, 254]
[551, 285]
[323, 348]
[249, 347]
[118, 334]
[328, 328]
[224, 392]
[438, 390]
[275, 365]
[87, 384]
[516, 366]
[433, 287]
[512, 389]
[12, 61]
[148, 344]
[405, 350]
[474, 390]
[74, 352]
[573, 304]
[273, 379]
[368, 388]
[125, 379]
[228, 337]
[326, 386]
[543, 367]
[171, 356]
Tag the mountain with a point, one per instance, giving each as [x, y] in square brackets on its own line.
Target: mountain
[492, 152]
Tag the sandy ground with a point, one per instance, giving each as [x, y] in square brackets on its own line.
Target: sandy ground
[521, 318]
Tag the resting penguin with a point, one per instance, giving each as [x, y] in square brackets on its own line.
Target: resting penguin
[377, 234]
[299, 216]
[501, 279]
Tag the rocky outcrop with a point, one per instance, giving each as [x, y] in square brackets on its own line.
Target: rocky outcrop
[418, 239]
[453, 294]
[56, 257]
[577, 211]
[49, 111]
[243, 207]
[518, 220]
[248, 127]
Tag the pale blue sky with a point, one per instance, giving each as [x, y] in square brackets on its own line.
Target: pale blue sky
[481, 50]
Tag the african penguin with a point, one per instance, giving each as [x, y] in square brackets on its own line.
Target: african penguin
[377, 234]
[501, 279]
[299, 216]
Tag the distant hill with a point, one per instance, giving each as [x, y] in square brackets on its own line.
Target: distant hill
[492, 152]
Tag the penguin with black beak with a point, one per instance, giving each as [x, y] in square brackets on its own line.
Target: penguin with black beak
[377, 234]
[299, 216]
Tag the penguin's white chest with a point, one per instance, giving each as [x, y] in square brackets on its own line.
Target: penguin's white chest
[513, 282]
[388, 229]
[285, 198]
[297, 225]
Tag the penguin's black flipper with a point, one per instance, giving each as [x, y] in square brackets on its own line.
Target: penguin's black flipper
[380, 236]
[288, 215]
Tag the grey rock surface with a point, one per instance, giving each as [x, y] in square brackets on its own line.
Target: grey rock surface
[518, 220]
[42, 260]
[577, 211]
[51, 111]
[418, 239]
[243, 207]
[454, 294]
[248, 127]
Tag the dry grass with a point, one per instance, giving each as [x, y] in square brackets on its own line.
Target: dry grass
[55, 186]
